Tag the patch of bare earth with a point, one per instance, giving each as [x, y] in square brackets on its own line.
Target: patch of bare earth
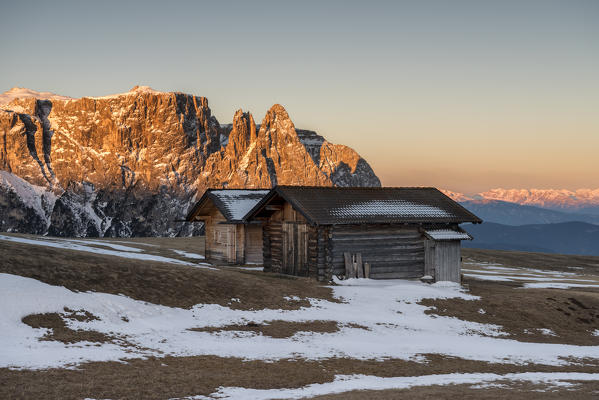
[571, 315]
[522, 259]
[277, 328]
[168, 377]
[156, 282]
[59, 331]
[507, 390]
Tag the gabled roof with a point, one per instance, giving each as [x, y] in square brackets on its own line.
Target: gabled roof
[232, 203]
[340, 205]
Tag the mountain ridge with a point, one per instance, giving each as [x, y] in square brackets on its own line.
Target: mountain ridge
[563, 238]
[153, 152]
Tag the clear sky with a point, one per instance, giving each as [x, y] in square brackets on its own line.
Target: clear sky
[465, 95]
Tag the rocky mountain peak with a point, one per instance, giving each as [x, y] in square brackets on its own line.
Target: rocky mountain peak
[132, 163]
[243, 133]
[276, 111]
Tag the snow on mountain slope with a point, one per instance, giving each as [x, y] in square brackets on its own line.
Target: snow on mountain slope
[17, 92]
[560, 199]
[548, 198]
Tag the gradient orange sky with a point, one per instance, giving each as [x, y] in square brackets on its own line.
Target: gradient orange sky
[465, 95]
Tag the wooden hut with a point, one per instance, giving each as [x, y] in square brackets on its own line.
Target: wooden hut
[375, 232]
[229, 239]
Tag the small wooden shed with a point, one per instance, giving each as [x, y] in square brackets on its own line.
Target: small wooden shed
[230, 239]
[382, 232]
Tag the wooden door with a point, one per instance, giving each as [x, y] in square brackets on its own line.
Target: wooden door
[224, 245]
[231, 244]
[295, 249]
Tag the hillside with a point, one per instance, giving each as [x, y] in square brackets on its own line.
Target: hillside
[565, 238]
[119, 322]
[131, 164]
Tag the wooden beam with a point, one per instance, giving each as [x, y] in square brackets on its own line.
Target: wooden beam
[366, 270]
[348, 265]
[359, 265]
[273, 208]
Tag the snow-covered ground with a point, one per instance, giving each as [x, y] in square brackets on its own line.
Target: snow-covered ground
[117, 250]
[346, 383]
[378, 319]
[529, 277]
[396, 327]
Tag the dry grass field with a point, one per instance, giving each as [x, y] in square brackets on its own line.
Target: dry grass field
[572, 315]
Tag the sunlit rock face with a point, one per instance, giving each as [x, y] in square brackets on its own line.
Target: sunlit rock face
[131, 164]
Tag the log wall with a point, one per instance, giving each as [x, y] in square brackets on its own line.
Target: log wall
[392, 251]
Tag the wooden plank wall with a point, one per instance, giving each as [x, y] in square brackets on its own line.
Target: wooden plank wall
[266, 250]
[273, 246]
[429, 257]
[392, 251]
[295, 248]
[313, 252]
[253, 244]
[239, 244]
[447, 260]
[216, 237]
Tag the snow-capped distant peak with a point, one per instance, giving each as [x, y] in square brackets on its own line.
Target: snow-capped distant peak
[136, 90]
[19, 92]
[548, 198]
[545, 197]
[455, 196]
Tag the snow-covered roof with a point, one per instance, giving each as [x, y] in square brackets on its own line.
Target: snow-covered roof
[368, 205]
[447, 234]
[395, 208]
[234, 204]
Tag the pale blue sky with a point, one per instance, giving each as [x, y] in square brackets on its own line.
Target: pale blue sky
[465, 95]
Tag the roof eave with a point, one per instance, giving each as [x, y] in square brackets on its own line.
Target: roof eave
[197, 206]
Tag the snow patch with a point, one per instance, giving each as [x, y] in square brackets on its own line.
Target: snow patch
[347, 383]
[71, 244]
[189, 255]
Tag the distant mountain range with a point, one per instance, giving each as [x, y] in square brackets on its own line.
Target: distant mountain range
[564, 238]
[549, 221]
[507, 213]
[585, 201]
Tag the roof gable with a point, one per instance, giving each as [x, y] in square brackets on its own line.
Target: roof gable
[335, 205]
[232, 203]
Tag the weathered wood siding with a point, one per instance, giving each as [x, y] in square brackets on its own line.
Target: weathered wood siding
[273, 246]
[429, 257]
[295, 249]
[253, 244]
[447, 260]
[392, 251]
[220, 238]
[239, 244]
